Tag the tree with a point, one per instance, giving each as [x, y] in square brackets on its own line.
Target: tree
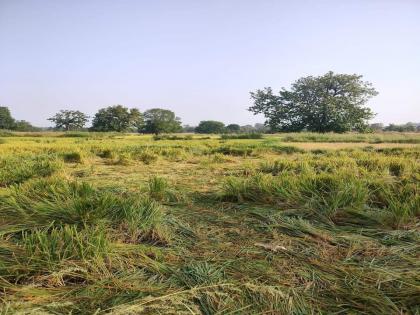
[376, 126]
[6, 119]
[210, 126]
[332, 102]
[117, 118]
[23, 125]
[188, 128]
[233, 128]
[261, 128]
[408, 127]
[247, 129]
[159, 120]
[69, 120]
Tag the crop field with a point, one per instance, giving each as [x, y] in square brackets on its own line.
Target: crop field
[104, 223]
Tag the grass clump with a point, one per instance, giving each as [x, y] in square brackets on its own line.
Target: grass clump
[73, 157]
[287, 149]
[147, 157]
[55, 201]
[234, 150]
[252, 135]
[160, 190]
[18, 169]
[107, 154]
[65, 243]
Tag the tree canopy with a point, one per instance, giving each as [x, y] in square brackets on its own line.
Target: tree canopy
[6, 119]
[331, 102]
[210, 126]
[117, 118]
[233, 128]
[159, 120]
[69, 120]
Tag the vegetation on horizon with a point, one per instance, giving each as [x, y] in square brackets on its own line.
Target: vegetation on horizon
[327, 103]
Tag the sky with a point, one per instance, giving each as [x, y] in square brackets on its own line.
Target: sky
[201, 58]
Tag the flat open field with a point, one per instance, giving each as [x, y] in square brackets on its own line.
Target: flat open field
[287, 224]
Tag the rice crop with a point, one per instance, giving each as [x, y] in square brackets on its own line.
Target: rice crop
[92, 223]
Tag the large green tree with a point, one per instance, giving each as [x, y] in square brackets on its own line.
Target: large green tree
[69, 120]
[6, 119]
[210, 126]
[331, 102]
[117, 118]
[233, 128]
[159, 120]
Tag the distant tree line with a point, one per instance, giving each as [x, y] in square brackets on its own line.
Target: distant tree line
[327, 103]
[119, 118]
[212, 126]
[407, 127]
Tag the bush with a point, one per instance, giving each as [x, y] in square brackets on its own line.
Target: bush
[252, 135]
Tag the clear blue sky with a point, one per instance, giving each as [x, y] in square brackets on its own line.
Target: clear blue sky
[201, 58]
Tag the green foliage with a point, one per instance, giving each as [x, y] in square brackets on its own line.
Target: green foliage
[23, 125]
[159, 189]
[159, 120]
[408, 127]
[332, 102]
[73, 157]
[117, 118]
[46, 202]
[57, 244]
[69, 120]
[210, 126]
[233, 128]
[18, 169]
[252, 135]
[6, 119]
[234, 150]
[200, 273]
[172, 137]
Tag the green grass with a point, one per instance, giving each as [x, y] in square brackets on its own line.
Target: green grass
[94, 223]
